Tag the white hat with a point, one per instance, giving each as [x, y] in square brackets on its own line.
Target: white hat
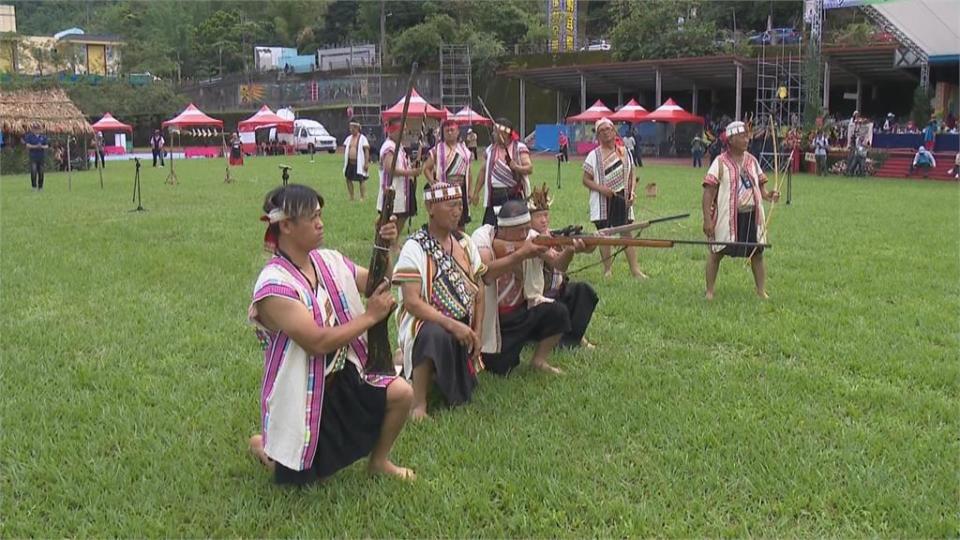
[735, 128]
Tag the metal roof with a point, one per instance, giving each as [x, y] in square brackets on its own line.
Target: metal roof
[873, 64]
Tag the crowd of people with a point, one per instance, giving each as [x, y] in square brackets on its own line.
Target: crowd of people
[468, 302]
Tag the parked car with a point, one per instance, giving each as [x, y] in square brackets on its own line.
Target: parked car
[309, 136]
[597, 45]
[775, 36]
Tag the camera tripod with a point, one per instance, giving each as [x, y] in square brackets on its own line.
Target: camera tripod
[136, 188]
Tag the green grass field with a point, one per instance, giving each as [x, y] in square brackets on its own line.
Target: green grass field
[130, 377]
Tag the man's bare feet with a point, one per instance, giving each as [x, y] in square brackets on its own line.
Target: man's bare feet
[586, 344]
[709, 295]
[256, 448]
[640, 275]
[542, 365]
[419, 413]
[608, 274]
[763, 294]
[388, 468]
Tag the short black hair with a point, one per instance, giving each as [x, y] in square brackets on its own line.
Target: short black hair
[296, 201]
[504, 122]
[513, 208]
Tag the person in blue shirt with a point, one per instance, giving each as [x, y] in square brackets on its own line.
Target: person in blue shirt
[930, 135]
[37, 145]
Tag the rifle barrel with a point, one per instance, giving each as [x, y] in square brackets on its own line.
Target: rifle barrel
[591, 240]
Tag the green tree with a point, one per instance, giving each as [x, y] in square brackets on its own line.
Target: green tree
[631, 35]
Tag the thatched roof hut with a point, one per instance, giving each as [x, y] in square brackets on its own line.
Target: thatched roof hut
[51, 108]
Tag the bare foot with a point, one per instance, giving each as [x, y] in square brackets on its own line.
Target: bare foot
[256, 448]
[419, 413]
[640, 275]
[763, 294]
[388, 468]
[545, 367]
[586, 344]
[709, 295]
[608, 274]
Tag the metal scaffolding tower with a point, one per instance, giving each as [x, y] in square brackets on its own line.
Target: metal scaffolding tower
[456, 88]
[780, 94]
[367, 100]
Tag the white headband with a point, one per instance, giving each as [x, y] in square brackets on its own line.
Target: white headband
[522, 219]
[275, 216]
[735, 128]
[442, 192]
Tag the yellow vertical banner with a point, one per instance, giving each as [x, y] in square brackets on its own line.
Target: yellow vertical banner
[96, 59]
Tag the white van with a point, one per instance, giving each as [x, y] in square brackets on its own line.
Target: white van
[310, 136]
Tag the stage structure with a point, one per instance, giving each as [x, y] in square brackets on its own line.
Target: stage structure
[456, 79]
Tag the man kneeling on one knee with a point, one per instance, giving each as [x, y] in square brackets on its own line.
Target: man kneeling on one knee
[509, 322]
[441, 276]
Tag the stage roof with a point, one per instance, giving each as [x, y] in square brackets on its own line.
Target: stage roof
[874, 64]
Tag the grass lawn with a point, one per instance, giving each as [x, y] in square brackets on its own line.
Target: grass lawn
[130, 377]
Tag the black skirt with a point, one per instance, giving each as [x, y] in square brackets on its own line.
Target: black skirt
[449, 357]
[581, 300]
[350, 421]
[351, 174]
[746, 232]
[522, 326]
[498, 196]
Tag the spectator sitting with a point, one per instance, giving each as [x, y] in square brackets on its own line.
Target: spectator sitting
[923, 160]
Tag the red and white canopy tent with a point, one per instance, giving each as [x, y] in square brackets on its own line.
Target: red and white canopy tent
[109, 123]
[192, 117]
[596, 111]
[467, 116]
[418, 108]
[671, 113]
[631, 112]
[262, 119]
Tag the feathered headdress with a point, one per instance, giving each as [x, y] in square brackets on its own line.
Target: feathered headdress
[539, 199]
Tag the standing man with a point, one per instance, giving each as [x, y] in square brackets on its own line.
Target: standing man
[696, 149]
[509, 320]
[37, 145]
[98, 150]
[733, 191]
[472, 146]
[505, 173]
[156, 145]
[820, 146]
[356, 159]
[564, 146]
[449, 162]
[609, 175]
[320, 411]
[441, 303]
[404, 205]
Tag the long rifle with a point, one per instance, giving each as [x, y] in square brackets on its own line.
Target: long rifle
[379, 352]
[592, 240]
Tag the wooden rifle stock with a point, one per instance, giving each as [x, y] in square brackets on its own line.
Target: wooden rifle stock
[379, 352]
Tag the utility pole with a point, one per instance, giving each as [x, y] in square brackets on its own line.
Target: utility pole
[383, 33]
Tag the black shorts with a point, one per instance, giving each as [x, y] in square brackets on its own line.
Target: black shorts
[522, 326]
[351, 174]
